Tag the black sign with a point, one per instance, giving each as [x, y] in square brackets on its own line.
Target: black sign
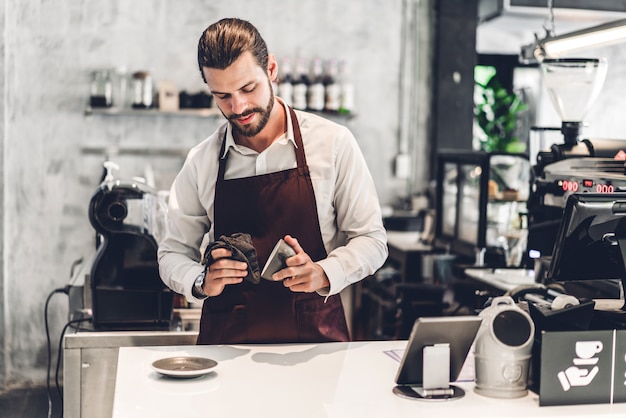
[583, 367]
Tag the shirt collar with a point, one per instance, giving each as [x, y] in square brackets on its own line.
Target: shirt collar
[230, 141]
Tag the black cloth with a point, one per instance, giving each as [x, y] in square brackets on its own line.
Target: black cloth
[241, 247]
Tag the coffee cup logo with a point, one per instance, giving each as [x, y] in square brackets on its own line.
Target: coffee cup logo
[586, 350]
[586, 356]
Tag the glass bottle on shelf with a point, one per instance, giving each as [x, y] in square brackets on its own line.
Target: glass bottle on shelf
[316, 88]
[101, 89]
[332, 89]
[120, 88]
[347, 89]
[300, 85]
[143, 90]
[285, 82]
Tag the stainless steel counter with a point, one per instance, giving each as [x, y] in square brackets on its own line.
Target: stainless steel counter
[502, 279]
[90, 366]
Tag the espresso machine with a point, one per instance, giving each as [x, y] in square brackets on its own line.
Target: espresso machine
[119, 284]
[576, 165]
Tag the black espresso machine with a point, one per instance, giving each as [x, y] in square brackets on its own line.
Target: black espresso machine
[119, 284]
[577, 165]
[577, 202]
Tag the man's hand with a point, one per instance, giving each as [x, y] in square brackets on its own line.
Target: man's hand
[223, 271]
[301, 274]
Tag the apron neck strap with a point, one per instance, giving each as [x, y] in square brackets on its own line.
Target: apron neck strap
[300, 156]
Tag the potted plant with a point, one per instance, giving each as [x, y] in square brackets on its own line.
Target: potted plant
[496, 112]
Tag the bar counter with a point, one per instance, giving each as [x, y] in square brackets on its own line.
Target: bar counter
[302, 380]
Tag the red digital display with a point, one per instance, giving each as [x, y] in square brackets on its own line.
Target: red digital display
[573, 186]
[605, 188]
[569, 186]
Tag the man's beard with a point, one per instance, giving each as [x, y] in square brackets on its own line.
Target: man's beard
[264, 117]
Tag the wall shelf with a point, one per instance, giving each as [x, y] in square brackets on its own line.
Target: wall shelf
[128, 150]
[204, 113]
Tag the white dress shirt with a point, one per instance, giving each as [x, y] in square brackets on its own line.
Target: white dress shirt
[347, 203]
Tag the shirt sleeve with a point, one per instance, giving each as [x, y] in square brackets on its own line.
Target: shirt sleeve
[358, 218]
[179, 252]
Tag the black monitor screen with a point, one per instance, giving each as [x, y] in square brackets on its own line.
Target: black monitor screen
[591, 239]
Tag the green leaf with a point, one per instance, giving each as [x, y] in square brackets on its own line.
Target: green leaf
[497, 117]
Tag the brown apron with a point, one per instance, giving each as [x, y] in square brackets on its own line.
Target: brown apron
[268, 207]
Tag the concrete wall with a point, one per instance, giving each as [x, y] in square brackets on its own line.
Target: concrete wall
[49, 49]
[47, 179]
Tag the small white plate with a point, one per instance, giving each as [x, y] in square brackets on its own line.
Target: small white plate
[184, 367]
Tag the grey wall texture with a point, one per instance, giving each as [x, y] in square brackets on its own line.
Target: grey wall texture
[48, 51]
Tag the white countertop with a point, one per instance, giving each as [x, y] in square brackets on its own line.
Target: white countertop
[304, 380]
[503, 279]
[407, 241]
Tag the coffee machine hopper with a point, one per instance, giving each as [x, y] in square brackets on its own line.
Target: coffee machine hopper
[573, 84]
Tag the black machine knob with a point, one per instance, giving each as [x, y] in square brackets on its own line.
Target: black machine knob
[542, 187]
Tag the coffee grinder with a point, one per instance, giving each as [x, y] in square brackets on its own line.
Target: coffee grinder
[577, 164]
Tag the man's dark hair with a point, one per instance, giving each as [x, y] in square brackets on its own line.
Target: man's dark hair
[224, 41]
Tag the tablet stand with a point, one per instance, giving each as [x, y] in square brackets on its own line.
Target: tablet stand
[435, 377]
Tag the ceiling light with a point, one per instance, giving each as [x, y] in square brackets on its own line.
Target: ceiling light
[555, 46]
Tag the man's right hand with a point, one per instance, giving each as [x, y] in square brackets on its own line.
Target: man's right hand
[223, 271]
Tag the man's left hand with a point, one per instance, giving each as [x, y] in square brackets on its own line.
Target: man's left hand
[301, 274]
